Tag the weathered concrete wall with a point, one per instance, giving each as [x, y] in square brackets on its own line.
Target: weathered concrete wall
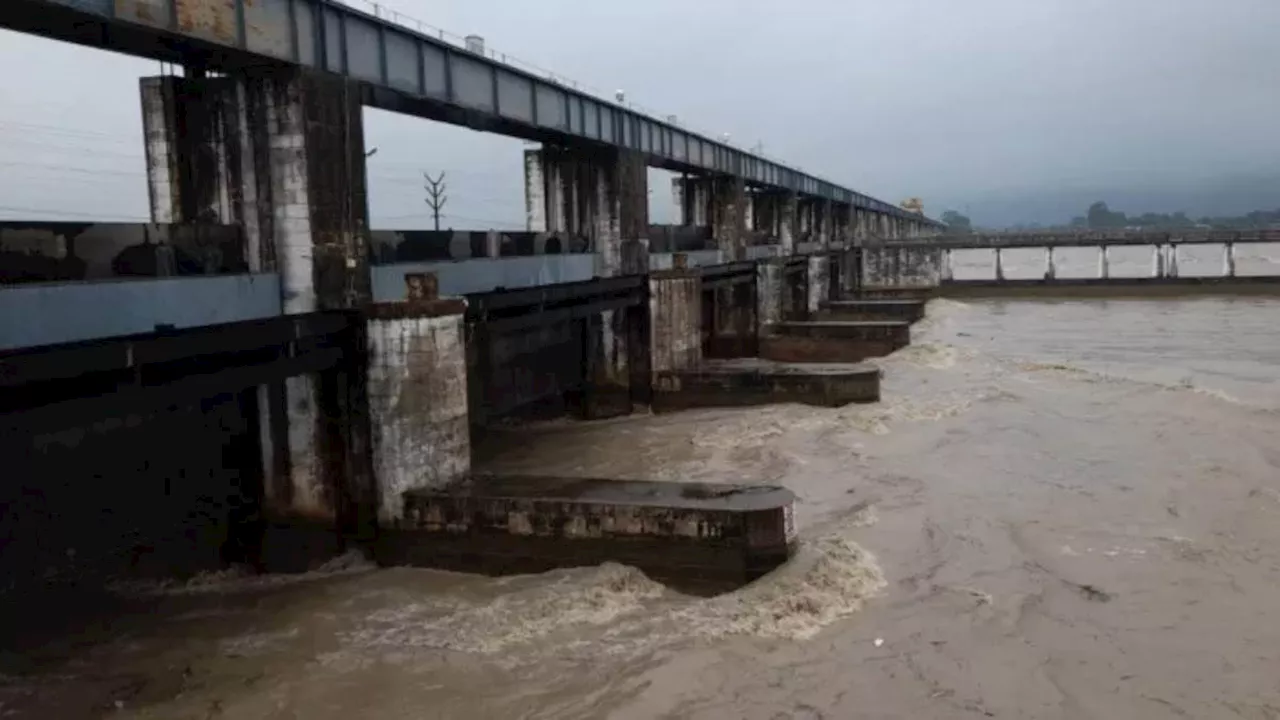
[769, 293]
[733, 326]
[54, 313]
[728, 216]
[901, 267]
[873, 310]
[675, 326]
[525, 371]
[679, 238]
[596, 193]
[676, 531]
[819, 277]
[147, 495]
[830, 341]
[731, 383]
[417, 400]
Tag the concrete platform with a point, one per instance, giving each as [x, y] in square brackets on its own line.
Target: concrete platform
[872, 310]
[755, 381]
[894, 293]
[694, 535]
[833, 341]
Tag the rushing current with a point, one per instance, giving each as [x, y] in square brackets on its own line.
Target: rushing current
[1061, 509]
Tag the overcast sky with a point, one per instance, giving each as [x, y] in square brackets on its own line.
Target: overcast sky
[1012, 109]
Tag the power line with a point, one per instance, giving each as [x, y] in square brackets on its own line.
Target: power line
[72, 213]
[69, 168]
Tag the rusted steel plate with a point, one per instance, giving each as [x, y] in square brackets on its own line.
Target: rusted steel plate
[267, 29]
[146, 12]
[209, 19]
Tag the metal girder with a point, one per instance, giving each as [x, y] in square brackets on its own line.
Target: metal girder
[407, 68]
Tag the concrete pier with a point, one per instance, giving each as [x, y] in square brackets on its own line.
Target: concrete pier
[279, 152]
[417, 394]
[755, 381]
[872, 310]
[700, 535]
[828, 341]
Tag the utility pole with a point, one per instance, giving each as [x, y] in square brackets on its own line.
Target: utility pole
[435, 195]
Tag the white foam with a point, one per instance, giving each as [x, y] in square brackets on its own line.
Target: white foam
[829, 579]
[586, 597]
[241, 578]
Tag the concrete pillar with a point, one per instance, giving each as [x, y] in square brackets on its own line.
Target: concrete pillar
[417, 395]
[280, 151]
[621, 209]
[1229, 260]
[826, 222]
[535, 191]
[1157, 261]
[190, 176]
[728, 203]
[787, 223]
[766, 213]
[1050, 267]
[598, 194]
[675, 319]
[1171, 267]
[1104, 262]
[696, 196]
[678, 195]
[845, 227]
[548, 191]
[947, 272]
[749, 211]
[999, 264]
[769, 290]
[819, 275]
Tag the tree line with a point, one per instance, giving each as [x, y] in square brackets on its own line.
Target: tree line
[1101, 217]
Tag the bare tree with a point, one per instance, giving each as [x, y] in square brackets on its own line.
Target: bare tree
[436, 198]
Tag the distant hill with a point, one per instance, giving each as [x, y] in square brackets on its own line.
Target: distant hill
[1228, 196]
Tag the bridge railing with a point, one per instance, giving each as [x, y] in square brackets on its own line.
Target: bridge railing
[1016, 239]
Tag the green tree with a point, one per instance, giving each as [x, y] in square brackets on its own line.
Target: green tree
[957, 222]
[1100, 217]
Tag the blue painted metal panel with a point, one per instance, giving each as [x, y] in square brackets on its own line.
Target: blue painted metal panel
[608, 126]
[65, 312]
[593, 119]
[308, 31]
[331, 28]
[515, 97]
[364, 54]
[575, 115]
[267, 28]
[435, 69]
[551, 110]
[403, 66]
[472, 82]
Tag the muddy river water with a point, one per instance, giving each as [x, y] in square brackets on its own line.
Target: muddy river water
[1063, 509]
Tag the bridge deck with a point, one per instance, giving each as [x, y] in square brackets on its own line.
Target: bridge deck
[403, 70]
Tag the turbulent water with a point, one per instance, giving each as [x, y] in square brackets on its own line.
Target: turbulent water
[1059, 510]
